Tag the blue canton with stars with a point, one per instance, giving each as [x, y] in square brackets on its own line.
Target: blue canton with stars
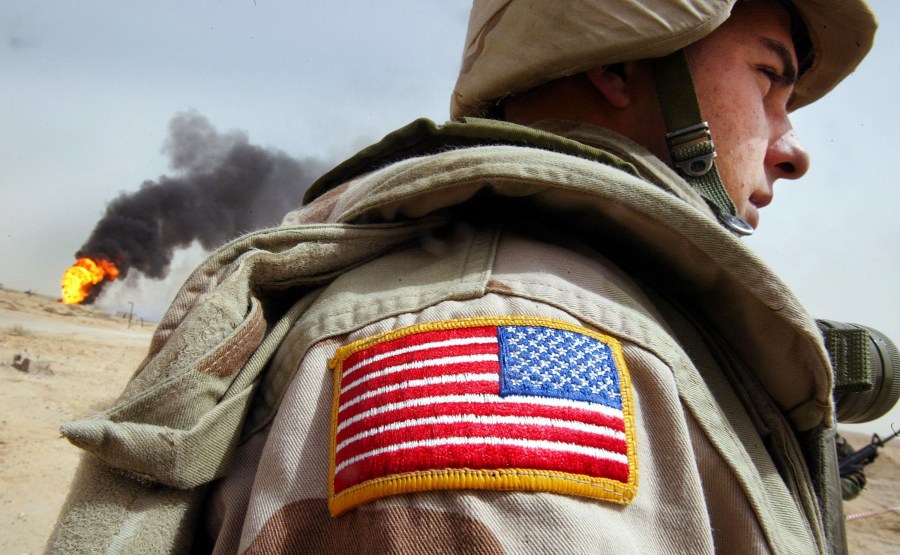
[549, 362]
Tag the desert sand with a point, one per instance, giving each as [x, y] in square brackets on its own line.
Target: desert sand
[81, 358]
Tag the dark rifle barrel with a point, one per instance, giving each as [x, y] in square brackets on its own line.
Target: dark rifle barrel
[864, 456]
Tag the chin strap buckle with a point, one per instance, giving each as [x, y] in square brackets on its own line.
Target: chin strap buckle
[692, 149]
[690, 144]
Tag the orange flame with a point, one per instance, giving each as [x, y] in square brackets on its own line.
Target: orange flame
[81, 277]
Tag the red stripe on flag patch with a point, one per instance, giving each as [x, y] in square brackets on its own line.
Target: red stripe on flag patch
[491, 403]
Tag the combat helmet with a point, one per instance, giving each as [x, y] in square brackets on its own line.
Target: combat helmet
[515, 45]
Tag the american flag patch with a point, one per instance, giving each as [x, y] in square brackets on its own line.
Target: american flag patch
[508, 403]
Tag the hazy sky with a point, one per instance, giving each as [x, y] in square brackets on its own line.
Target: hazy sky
[88, 88]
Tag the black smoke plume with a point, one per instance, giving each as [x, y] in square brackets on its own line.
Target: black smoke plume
[222, 186]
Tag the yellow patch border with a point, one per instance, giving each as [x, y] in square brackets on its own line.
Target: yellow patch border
[512, 479]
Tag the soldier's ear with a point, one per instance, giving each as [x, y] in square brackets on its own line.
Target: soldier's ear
[612, 82]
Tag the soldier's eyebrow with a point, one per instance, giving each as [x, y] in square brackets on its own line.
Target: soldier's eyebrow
[789, 71]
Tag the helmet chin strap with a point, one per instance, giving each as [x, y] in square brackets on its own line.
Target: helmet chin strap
[690, 141]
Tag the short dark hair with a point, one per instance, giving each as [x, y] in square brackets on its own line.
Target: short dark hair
[801, 39]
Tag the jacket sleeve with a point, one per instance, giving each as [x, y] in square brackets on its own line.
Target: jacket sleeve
[281, 499]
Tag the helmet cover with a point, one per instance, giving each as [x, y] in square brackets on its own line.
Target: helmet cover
[515, 45]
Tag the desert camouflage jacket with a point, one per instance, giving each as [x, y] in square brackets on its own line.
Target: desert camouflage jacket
[249, 427]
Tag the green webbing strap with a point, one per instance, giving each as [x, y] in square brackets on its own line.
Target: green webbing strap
[690, 142]
[849, 353]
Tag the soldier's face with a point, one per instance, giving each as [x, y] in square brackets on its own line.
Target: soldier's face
[744, 75]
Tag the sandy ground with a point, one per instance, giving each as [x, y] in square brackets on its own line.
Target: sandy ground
[873, 518]
[81, 359]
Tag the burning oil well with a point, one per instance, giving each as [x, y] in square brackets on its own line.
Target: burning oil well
[222, 186]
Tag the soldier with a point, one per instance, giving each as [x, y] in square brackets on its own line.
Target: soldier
[536, 335]
[853, 481]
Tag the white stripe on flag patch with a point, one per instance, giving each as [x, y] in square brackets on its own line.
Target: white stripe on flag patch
[422, 347]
